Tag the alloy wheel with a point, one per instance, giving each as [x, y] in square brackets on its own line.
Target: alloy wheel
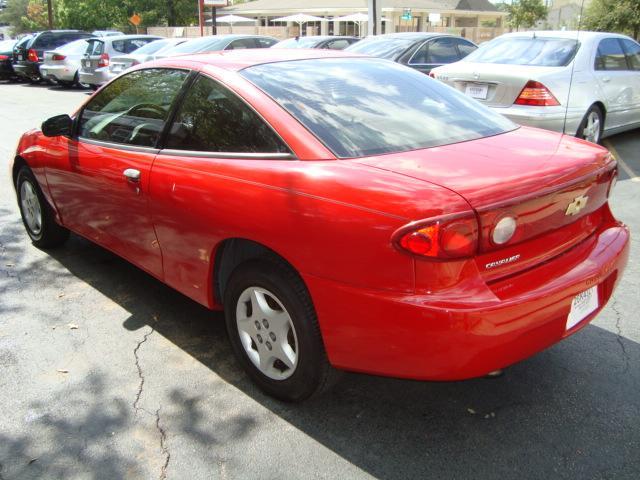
[591, 130]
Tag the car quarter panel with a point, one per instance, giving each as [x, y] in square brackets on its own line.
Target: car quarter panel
[330, 219]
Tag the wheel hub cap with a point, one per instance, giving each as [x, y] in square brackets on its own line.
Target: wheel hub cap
[30, 206]
[267, 333]
[592, 128]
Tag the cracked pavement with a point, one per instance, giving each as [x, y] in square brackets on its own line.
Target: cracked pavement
[146, 385]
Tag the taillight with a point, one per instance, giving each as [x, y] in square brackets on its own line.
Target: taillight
[4, 57]
[432, 75]
[443, 238]
[57, 56]
[536, 94]
[32, 55]
[104, 60]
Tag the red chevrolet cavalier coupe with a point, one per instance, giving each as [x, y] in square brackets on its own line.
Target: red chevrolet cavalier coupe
[345, 212]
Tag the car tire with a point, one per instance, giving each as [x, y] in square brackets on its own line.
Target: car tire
[592, 125]
[37, 215]
[263, 291]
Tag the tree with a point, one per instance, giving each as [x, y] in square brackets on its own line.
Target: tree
[614, 16]
[525, 13]
[25, 15]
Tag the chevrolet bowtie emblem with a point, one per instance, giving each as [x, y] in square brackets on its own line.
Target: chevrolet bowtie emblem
[578, 204]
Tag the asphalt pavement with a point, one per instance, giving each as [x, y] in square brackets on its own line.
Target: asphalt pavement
[105, 373]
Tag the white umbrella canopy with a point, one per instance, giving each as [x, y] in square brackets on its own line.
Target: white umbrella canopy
[355, 17]
[233, 19]
[300, 18]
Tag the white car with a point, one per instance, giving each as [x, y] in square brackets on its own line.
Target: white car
[62, 65]
[581, 83]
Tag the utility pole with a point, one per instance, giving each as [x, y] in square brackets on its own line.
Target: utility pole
[374, 25]
[50, 13]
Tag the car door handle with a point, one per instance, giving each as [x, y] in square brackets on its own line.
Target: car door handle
[132, 175]
[605, 79]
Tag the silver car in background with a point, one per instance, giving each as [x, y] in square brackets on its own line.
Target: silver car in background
[94, 70]
[582, 83]
[62, 64]
[214, 43]
[146, 53]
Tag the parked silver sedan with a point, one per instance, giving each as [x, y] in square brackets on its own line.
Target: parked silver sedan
[582, 83]
[62, 64]
[94, 70]
[146, 53]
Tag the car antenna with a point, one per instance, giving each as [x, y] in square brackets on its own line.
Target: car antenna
[573, 66]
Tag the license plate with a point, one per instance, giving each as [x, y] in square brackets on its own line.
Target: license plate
[117, 68]
[21, 57]
[477, 90]
[582, 305]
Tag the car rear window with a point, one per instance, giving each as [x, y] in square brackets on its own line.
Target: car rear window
[373, 106]
[534, 51]
[95, 47]
[199, 45]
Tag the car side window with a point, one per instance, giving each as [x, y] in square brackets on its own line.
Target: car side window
[610, 55]
[133, 109]
[265, 42]
[442, 50]
[465, 48]
[213, 119]
[241, 43]
[338, 44]
[632, 51]
[420, 56]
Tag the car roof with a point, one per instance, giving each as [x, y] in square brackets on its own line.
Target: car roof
[114, 38]
[573, 34]
[410, 35]
[235, 60]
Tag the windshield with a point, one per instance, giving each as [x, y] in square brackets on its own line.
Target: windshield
[534, 51]
[304, 42]
[204, 44]
[77, 47]
[373, 106]
[382, 47]
[151, 47]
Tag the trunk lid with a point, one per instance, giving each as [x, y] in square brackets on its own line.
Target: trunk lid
[530, 174]
[495, 85]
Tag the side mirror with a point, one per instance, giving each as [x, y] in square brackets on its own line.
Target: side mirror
[60, 125]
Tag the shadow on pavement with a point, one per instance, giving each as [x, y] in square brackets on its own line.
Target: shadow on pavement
[569, 412]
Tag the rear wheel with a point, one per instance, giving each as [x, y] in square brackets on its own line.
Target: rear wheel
[274, 332]
[592, 125]
[37, 214]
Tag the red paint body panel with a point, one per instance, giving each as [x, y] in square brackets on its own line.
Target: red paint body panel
[380, 310]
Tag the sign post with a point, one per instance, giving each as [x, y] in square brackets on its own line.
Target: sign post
[201, 16]
[214, 4]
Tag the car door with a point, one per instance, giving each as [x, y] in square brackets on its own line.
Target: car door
[434, 53]
[201, 180]
[632, 52]
[99, 179]
[613, 75]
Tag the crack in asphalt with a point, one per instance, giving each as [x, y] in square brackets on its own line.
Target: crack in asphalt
[140, 374]
[163, 446]
[625, 355]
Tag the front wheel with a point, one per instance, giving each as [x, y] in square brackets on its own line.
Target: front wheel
[37, 215]
[592, 125]
[274, 332]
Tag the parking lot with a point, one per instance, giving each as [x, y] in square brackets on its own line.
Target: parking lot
[107, 373]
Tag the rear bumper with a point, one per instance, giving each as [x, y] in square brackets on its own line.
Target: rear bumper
[412, 336]
[27, 69]
[98, 77]
[6, 70]
[58, 72]
[549, 118]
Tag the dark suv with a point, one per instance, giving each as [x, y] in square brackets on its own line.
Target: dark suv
[28, 57]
